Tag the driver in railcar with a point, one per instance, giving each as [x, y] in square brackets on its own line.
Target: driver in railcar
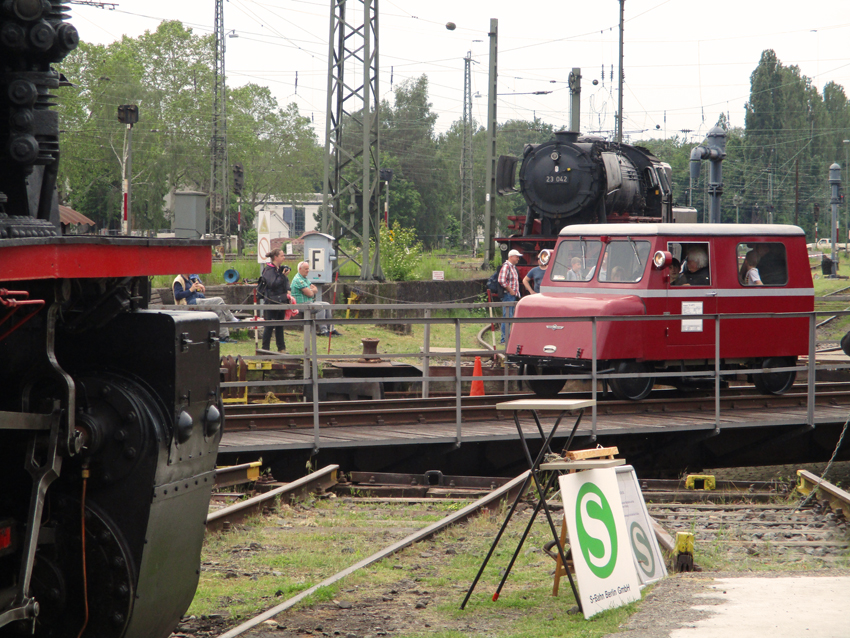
[695, 272]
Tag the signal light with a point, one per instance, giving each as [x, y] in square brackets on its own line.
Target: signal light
[238, 179]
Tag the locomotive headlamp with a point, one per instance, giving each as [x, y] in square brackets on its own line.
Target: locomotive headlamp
[662, 259]
[503, 247]
[544, 257]
[554, 156]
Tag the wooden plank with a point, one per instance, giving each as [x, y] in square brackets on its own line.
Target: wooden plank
[592, 453]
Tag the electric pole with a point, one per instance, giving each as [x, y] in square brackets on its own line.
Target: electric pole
[218, 178]
[466, 165]
[620, 80]
[355, 104]
[490, 195]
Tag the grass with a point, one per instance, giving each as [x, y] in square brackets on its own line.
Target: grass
[837, 328]
[247, 268]
[454, 268]
[299, 546]
[442, 335]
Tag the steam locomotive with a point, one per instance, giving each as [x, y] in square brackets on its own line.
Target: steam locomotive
[581, 179]
[110, 413]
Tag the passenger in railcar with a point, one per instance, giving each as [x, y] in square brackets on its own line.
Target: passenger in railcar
[575, 270]
[675, 270]
[696, 271]
[772, 263]
[749, 272]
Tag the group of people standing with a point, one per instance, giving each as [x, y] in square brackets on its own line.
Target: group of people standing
[277, 289]
[509, 280]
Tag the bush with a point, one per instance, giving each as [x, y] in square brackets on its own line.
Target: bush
[400, 252]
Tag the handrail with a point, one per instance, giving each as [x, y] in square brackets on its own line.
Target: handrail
[594, 374]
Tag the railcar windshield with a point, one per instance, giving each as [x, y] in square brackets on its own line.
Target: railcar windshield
[762, 264]
[625, 261]
[576, 260]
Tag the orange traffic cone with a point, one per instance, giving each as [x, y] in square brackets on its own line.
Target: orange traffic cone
[477, 388]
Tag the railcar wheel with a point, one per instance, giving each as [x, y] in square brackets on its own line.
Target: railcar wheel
[634, 388]
[775, 382]
[544, 387]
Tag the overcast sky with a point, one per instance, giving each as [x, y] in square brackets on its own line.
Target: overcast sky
[685, 61]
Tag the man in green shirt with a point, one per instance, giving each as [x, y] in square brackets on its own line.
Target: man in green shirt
[305, 292]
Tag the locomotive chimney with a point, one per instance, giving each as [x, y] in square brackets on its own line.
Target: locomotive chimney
[567, 137]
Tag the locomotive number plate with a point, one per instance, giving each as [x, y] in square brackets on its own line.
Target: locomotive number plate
[557, 179]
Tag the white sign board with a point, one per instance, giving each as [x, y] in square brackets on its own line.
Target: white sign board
[599, 540]
[691, 308]
[437, 275]
[649, 562]
[264, 238]
[316, 259]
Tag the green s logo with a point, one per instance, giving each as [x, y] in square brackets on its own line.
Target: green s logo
[642, 549]
[597, 533]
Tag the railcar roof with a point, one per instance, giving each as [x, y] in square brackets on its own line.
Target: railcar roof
[709, 230]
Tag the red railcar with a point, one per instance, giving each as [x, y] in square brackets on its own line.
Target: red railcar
[607, 270]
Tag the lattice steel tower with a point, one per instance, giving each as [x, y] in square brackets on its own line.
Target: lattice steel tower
[218, 222]
[467, 204]
[352, 148]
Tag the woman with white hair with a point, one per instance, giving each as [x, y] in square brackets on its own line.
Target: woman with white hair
[695, 272]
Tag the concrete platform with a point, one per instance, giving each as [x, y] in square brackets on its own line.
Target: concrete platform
[785, 607]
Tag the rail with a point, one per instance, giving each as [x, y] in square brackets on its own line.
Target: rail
[311, 358]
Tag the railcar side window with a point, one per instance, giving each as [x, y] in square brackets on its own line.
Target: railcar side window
[693, 262]
[762, 264]
[624, 261]
[576, 260]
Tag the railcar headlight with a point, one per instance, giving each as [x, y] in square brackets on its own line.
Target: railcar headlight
[545, 256]
[662, 259]
[503, 247]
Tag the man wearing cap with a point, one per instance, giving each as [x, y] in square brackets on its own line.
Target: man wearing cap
[188, 290]
[509, 280]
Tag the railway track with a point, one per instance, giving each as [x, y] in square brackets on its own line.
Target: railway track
[258, 416]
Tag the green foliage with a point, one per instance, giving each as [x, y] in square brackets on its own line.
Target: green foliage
[168, 74]
[792, 133]
[401, 253]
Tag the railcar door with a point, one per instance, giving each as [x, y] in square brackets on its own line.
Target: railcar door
[692, 292]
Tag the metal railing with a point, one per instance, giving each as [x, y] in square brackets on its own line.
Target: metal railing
[311, 357]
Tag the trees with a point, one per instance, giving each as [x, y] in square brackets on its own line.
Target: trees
[168, 74]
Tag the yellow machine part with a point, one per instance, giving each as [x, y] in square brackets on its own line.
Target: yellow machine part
[684, 543]
[700, 482]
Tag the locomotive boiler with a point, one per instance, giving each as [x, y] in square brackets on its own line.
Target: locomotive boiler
[580, 179]
[110, 413]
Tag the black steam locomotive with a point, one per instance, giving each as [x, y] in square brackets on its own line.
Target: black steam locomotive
[579, 179]
[110, 414]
